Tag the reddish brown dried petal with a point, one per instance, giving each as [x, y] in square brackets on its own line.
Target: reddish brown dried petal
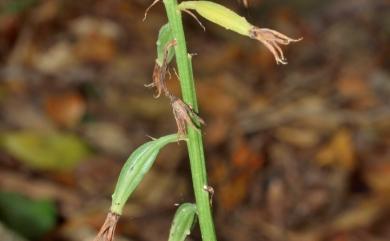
[184, 115]
[164, 65]
[271, 39]
[157, 81]
[160, 71]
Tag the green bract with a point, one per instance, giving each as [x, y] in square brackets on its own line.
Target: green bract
[218, 14]
[182, 222]
[164, 37]
[135, 169]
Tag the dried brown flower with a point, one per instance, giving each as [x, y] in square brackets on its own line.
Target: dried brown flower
[107, 231]
[160, 71]
[271, 39]
[158, 82]
[184, 115]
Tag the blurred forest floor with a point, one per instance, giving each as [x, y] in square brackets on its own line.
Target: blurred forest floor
[295, 153]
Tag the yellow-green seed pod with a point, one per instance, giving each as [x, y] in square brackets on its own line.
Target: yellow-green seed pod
[135, 168]
[218, 14]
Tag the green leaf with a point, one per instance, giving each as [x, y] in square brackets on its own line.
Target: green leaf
[135, 168]
[164, 37]
[182, 222]
[43, 150]
[30, 218]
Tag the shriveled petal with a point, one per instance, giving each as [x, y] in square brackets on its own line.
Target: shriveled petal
[271, 39]
[158, 82]
[160, 71]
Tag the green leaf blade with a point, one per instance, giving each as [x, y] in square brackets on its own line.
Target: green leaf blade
[183, 221]
[135, 168]
[45, 150]
[30, 218]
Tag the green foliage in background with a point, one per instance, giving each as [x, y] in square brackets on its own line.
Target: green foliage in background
[45, 150]
[16, 6]
[30, 218]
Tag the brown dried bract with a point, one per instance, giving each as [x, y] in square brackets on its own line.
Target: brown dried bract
[271, 39]
[160, 71]
[164, 65]
[184, 115]
[107, 231]
[157, 81]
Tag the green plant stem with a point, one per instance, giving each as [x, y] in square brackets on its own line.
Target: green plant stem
[194, 143]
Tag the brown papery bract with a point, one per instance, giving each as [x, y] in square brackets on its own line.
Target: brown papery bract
[160, 71]
[107, 231]
[183, 114]
[158, 82]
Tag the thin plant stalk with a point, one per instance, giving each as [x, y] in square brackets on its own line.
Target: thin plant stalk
[194, 143]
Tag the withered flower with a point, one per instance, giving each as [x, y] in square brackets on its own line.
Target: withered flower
[184, 115]
[106, 232]
[158, 82]
[271, 39]
[160, 71]
[228, 19]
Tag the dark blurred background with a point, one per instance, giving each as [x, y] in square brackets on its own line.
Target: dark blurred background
[295, 153]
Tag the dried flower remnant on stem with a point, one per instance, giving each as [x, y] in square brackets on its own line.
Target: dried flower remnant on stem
[271, 39]
[106, 232]
[160, 71]
[164, 64]
[184, 115]
[157, 81]
[228, 19]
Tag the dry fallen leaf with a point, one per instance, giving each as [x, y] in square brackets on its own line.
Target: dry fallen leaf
[65, 109]
[58, 58]
[339, 151]
[299, 137]
[353, 85]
